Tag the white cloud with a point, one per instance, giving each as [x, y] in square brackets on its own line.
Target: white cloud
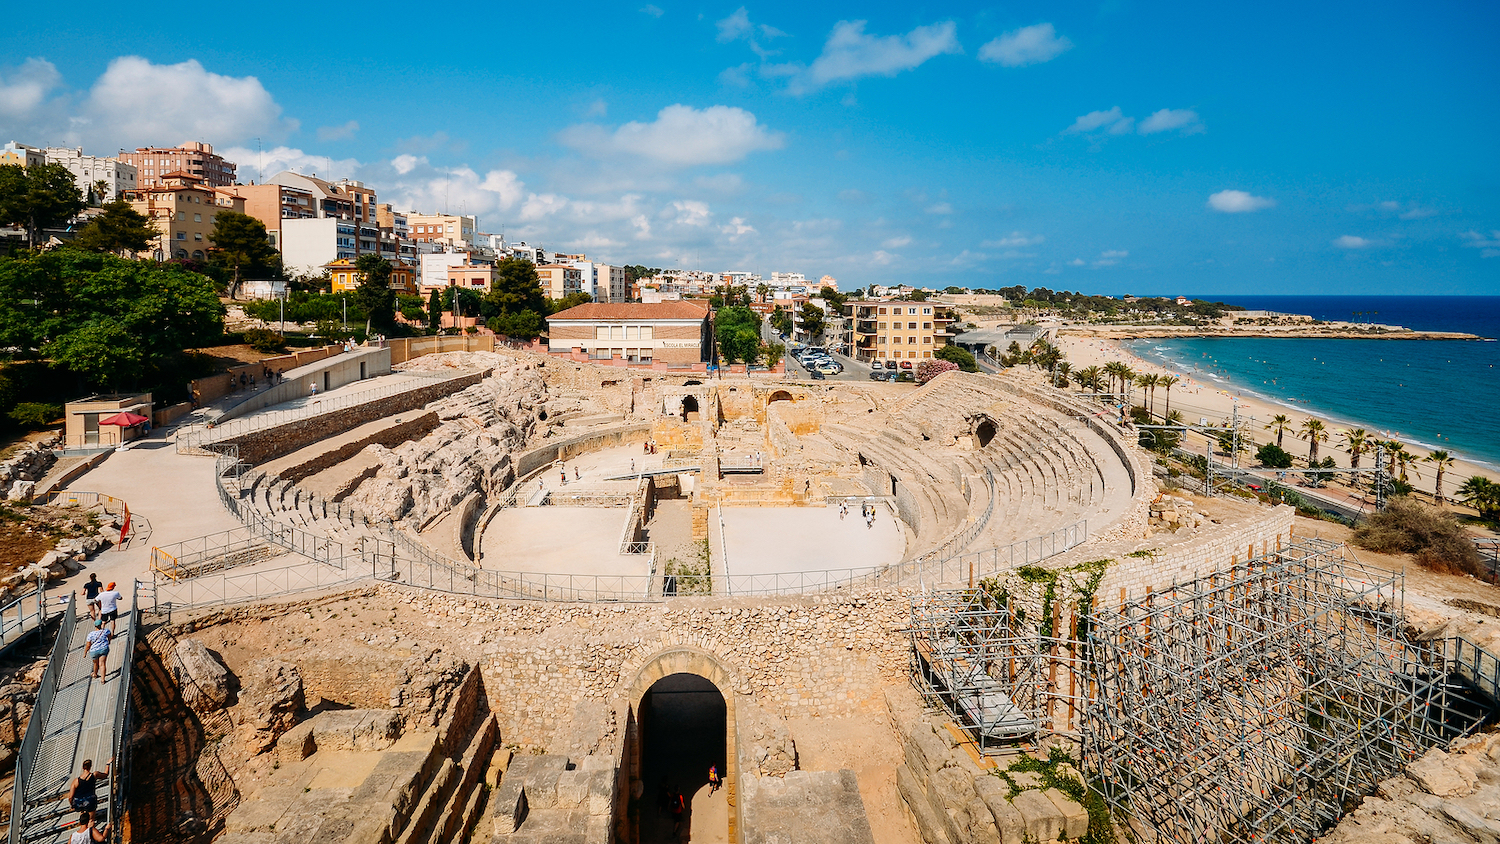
[881, 258]
[736, 26]
[1349, 241]
[597, 108]
[256, 164]
[24, 90]
[966, 258]
[681, 136]
[1115, 122]
[850, 53]
[1487, 244]
[1028, 45]
[1098, 119]
[1168, 119]
[1109, 257]
[652, 10]
[1077, 262]
[405, 163]
[940, 208]
[1013, 240]
[721, 183]
[690, 212]
[338, 133]
[737, 228]
[1238, 202]
[737, 76]
[137, 102]
[896, 242]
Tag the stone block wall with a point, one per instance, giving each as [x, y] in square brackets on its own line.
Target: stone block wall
[566, 449]
[260, 446]
[411, 429]
[1210, 551]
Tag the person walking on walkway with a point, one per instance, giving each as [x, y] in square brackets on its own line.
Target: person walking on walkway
[713, 778]
[89, 833]
[109, 606]
[97, 645]
[91, 592]
[83, 791]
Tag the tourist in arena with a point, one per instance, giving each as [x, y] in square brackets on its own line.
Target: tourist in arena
[89, 833]
[83, 791]
[91, 592]
[109, 606]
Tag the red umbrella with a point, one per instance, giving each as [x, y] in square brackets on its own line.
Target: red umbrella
[124, 419]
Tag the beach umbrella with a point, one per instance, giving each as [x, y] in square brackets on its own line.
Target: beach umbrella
[124, 419]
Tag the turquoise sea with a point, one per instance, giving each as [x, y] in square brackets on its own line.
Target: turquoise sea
[1430, 393]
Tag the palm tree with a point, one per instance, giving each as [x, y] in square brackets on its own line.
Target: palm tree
[1166, 382]
[1483, 495]
[1148, 381]
[1314, 431]
[1064, 369]
[1088, 377]
[1356, 442]
[1442, 461]
[1280, 424]
[762, 291]
[1401, 460]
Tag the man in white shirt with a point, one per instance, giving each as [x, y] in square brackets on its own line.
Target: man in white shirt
[109, 605]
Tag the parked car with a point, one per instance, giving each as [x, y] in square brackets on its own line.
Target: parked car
[878, 374]
[829, 368]
[818, 376]
[907, 377]
[906, 364]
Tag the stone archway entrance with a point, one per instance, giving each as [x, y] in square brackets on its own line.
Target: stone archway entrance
[984, 432]
[689, 408]
[779, 395]
[681, 708]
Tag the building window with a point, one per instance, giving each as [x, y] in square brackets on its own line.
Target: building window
[197, 218]
[182, 235]
[927, 354]
[895, 341]
[912, 311]
[926, 325]
[927, 310]
[646, 333]
[882, 311]
[927, 340]
[198, 236]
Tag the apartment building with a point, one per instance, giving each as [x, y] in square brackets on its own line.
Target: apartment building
[346, 278]
[450, 229]
[307, 245]
[22, 155]
[604, 282]
[890, 330]
[90, 171]
[668, 332]
[560, 280]
[153, 164]
[183, 209]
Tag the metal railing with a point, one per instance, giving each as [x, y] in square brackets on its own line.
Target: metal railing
[197, 436]
[190, 557]
[1475, 665]
[23, 616]
[85, 498]
[46, 695]
[119, 785]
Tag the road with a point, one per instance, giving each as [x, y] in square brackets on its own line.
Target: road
[853, 369]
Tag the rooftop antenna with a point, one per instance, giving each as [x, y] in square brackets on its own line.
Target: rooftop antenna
[261, 158]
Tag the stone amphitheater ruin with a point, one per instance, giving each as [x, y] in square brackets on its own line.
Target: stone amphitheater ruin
[523, 599]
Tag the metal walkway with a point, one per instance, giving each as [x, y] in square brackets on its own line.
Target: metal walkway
[75, 718]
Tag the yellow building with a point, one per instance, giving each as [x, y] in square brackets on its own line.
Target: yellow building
[183, 208]
[895, 330]
[346, 278]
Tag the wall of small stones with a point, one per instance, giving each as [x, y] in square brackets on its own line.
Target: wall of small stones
[1210, 551]
[566, 449]
[260, 446]
[390, 437]
[552, 669]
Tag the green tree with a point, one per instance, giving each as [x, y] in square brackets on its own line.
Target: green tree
[737, 330]
[772, 354]
[374, 294]
[434, 310]
[1314, 431]
[572, 300]
[1442, 461]
[117, 230]
[525, 325]
[812, 320]
[242, 248]
[1483, 495]
[1279, 423]
[1273, 456]
[111, 321]
[37, 198]
[781, 320]
[517, 288]
[959, 356]
[1166, 382]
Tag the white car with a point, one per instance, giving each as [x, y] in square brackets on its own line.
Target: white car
[829, 368]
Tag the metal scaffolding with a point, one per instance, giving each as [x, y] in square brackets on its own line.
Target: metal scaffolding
[1262, 702]
[1258, 703]
[996, 677]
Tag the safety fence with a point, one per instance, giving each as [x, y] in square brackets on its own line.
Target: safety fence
[23, 616]
[83, 498]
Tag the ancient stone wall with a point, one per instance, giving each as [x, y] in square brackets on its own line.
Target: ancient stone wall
[1209, 551]
[562, 664]
[411, 429]
[567, 449]
[260, 446]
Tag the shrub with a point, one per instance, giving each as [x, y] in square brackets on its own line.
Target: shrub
[1433, 538]
[35, 414]
[1273, 456]
[264, 340]
[932, 368]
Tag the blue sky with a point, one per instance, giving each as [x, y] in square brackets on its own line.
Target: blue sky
[1111, 147]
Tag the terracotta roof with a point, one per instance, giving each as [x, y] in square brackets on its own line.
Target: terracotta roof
[632, 310]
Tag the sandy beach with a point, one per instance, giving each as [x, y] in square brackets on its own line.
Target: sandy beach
[1197, 400]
